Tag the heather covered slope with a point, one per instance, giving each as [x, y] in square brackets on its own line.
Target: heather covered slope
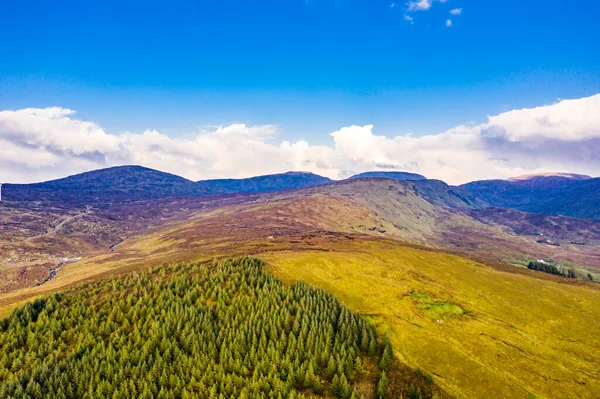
[436, 192]
[35, 239]
[561, 194]
[380, 208]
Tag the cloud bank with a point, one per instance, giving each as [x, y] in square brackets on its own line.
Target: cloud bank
[41, 144]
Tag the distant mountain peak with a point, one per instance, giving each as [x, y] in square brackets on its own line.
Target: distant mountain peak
[572, 176]
[298, 173]
[401, 176]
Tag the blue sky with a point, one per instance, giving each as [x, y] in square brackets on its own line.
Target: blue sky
[456, 90]
[310, 67]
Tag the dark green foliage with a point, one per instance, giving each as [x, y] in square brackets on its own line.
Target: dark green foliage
[386, 356]
[414, 393]
[226, 331]
[382, 386]
[429, 379]
[550, 269]
[426, 376]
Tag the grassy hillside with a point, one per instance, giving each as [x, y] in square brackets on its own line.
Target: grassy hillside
[227, 330]
[480, 332]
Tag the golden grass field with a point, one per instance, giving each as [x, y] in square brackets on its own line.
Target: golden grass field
[501, 335]
[517, 337]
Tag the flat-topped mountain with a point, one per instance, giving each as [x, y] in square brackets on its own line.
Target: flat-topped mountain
[261, 184]
[538, 177]
[400, 176]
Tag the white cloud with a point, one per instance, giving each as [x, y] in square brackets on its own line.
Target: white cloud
[392, 5]
[39, 144]
[408, 18]
[448, 23]
[567, 120]
[420, 5]
[456, 11]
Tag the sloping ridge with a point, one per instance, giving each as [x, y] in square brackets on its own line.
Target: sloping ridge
[401, 211]
[434, 191]
[439, 193]
[404, 210]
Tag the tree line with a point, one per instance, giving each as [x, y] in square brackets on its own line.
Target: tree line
[551, 269]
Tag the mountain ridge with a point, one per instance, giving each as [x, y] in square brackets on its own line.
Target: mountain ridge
[258, 184]
[135, 182]
[577, 196]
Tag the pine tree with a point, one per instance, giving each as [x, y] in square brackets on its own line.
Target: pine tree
[359, 365]
[334, 387]
[382, 386]
[345, 389]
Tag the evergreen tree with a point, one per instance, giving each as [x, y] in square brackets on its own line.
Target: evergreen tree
[382, 386]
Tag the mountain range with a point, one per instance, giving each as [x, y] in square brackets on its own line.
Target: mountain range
[553, 194]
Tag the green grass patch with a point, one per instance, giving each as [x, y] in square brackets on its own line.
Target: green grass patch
[420, 295]
[436, 310]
